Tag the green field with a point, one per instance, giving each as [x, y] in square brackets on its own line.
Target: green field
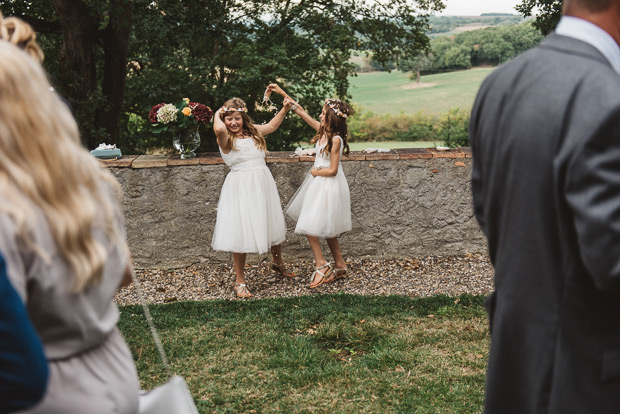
[383, 92]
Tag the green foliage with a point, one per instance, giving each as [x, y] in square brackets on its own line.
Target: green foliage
[369, 127]
[453, 128]
[211, 50]
[548, 16]
[352, 354]
[492, 45]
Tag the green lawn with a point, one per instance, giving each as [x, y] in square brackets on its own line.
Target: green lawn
[383, 92]
[320, 354]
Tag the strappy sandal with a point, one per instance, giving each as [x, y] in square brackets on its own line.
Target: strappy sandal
[241, 290]
[323, 276]
[336, 274]
[281, 268]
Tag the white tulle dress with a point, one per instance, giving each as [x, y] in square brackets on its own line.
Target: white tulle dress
[249, 214]
[322, 205]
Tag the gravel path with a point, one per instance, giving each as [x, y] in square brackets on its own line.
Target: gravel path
[424, 276]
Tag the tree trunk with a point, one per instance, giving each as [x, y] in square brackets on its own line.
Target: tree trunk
[115, 39]
[417, 76]
[81, 34]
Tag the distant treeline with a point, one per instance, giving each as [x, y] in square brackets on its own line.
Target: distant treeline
[443, 24]
[489, 46]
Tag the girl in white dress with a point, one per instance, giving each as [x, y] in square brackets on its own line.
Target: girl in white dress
[249, 214]
[322, 204]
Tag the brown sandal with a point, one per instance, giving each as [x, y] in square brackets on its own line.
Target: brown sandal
[322, 275]
[336, 274]
[241, 290]
[281, 268]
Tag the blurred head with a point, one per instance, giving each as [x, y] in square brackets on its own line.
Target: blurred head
[45, 169]
[239, 124]
[583, 8]
[20, 33]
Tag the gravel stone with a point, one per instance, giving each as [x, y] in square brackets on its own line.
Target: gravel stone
[415, 277]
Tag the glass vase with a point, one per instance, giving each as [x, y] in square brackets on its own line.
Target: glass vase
[186, 142]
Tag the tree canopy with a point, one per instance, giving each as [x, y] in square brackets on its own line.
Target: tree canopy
[113, 60]
[547, 16]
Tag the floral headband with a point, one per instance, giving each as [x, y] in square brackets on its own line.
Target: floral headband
[332, 104]
[242, 109]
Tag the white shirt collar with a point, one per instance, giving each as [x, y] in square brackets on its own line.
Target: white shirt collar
[590, 33]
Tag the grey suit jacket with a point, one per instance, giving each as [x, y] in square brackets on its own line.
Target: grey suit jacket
[545, 137]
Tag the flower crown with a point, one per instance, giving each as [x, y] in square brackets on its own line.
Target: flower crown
[227, 109]
[332, 104]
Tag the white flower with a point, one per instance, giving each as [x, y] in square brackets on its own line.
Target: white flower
[167, 114]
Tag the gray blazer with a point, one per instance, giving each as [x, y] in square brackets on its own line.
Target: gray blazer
[545, 137]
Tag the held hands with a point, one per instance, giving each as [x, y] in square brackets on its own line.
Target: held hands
[290, 104]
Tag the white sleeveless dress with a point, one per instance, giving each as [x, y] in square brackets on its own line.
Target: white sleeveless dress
[322, 205]
[249, 213]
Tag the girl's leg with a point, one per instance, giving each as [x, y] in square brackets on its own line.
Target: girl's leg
[239, 264]
[278, 264]
[340, 267]
[319, 261]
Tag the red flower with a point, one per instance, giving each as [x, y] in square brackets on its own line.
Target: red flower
[153, 113]
[202, 113]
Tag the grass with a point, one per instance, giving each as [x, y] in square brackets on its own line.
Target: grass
[320, 354]
[383, 92]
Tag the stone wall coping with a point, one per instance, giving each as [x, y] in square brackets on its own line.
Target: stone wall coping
[208, 158]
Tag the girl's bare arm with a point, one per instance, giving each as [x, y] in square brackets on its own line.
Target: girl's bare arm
[273, 125]
[221, 132]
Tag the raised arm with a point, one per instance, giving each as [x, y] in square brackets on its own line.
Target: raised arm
[275, 122]
[221, 132]
[299, 110]
[295, 107]
[334, 161]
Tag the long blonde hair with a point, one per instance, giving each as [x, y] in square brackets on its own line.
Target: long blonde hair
[248, 125]
[45, 170]
[21, 34]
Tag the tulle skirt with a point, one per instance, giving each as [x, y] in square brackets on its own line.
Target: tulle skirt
[322, 206]
[249, 214]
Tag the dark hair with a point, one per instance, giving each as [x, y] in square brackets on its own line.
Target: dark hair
[248, 124]
[334, 124]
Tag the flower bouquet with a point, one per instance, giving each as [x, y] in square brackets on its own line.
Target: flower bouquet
[183, 120]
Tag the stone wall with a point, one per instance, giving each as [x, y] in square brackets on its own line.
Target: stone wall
[405, 203]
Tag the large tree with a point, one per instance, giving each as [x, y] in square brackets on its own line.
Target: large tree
[210, 50]
[90, 61]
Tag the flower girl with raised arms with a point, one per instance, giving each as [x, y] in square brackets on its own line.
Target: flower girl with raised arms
[322, 204]
[249, 214]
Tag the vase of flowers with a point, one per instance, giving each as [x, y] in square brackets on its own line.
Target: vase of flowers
[183, 120]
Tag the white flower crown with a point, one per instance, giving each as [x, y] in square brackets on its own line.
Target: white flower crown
[242, 109]
[332, 104]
